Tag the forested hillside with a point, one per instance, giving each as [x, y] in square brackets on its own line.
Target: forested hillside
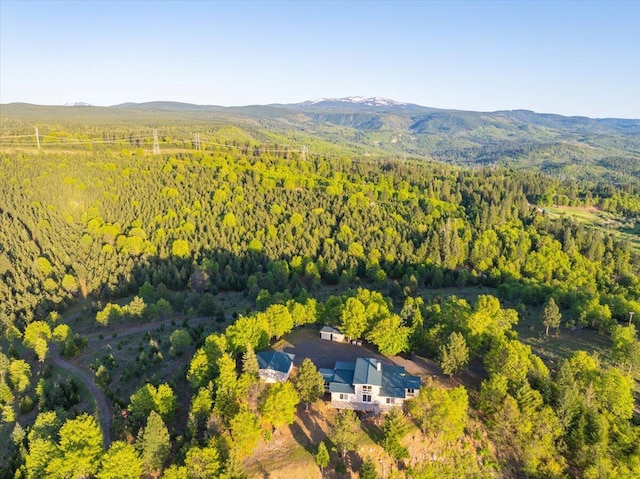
[319, 236]
[571, 147]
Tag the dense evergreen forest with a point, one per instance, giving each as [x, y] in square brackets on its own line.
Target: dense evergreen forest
[311, 239]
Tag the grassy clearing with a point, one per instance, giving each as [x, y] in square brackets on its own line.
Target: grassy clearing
[625, 229]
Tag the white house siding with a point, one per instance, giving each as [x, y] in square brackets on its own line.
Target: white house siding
[395, 402]
[271, 376]
[375, 392]
[331, 334]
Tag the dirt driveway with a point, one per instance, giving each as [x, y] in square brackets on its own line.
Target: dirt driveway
[306, 343]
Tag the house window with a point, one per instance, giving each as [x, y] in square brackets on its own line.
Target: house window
[411, 392]
[343, 397]
[366, 398]
[391, 400]
[366, 388]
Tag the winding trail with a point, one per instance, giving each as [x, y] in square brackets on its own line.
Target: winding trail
[102, 405]
[104, 412]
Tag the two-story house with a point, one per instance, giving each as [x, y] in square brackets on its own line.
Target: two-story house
[369, 385]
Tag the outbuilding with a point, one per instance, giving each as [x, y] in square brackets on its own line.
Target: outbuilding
[274, 366]
[331, 334]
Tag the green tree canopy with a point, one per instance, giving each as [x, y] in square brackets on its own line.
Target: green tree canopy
[390, 335]
[454, 357]
[322, 457]
[353, 319]
[36, 336]
[394, 428]
[121, 461]
[79, 449]
[551, 316]
[278, 404]
[441, 412]
[345, 429]
[308, 382]
[203, 462]
[245, 432]
[154, 442]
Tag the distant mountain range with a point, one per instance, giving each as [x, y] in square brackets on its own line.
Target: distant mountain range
[381, 111]
[572, 146]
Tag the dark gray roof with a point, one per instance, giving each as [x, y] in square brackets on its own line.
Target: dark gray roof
[275, 360]
[329, 329]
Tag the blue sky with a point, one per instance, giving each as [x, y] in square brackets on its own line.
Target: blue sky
[572, 58]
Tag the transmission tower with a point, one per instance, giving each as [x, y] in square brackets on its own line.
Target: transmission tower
[156, 145]
[196, 142]
[38, 137]
[303, 152]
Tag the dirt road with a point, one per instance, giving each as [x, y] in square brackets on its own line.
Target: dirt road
[104, 412]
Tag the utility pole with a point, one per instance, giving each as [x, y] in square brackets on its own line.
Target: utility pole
[631, 313]
[156, 145]
[38, 138]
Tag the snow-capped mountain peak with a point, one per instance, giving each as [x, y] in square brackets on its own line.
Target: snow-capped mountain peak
[359, 100]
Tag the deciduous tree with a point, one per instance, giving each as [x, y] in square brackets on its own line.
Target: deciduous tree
[36, 336]
[121, 461]
[390, 335]
[278, 404]
[353, 318]
[79, 449]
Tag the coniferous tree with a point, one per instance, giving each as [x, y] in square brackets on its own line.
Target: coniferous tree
[368, 469]
[322, 457]
[551, 316]
[455, 355]
[154, 442]
[308, 382]
[395, 426]
[344, 430]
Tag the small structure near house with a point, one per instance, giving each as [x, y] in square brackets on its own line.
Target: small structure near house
[369, 385]
[274, 366]
[331, 334]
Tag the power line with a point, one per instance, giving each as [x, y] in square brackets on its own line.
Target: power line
[198, 143]
[156, 145]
